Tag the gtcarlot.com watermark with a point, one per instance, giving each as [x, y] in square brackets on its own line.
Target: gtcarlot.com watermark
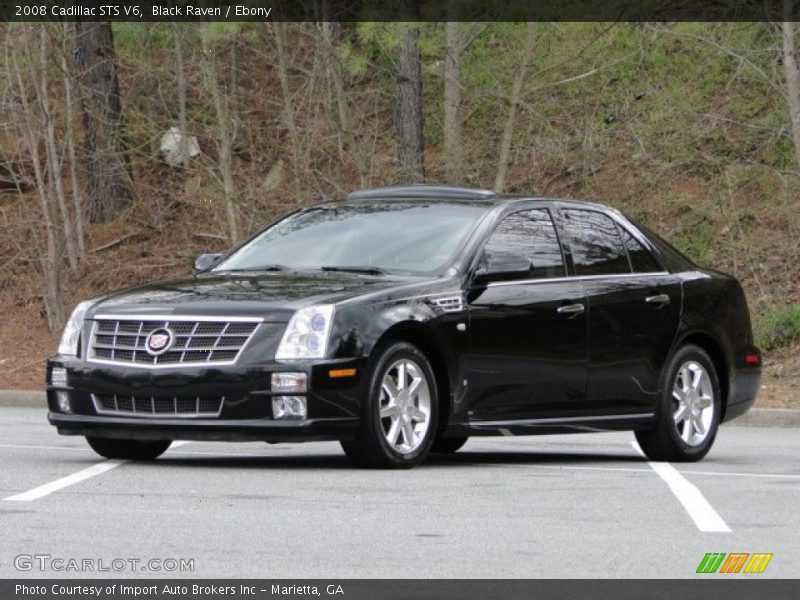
[48, 562]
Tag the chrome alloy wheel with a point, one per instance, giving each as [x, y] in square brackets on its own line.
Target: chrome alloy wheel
[405, 406]
[693, 403]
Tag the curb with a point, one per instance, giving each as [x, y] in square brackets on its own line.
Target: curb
[768, 417]
[755, 417]
[26, 398]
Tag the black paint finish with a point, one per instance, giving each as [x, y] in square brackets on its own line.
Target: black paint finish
[576, 343]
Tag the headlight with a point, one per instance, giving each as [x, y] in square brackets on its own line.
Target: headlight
[307, 334]
[72, 330]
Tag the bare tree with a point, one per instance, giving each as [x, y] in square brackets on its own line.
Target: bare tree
[69, 100]
[180, 76]
[54, 161]
[789, 89]
[513, 103]
[792, 75]
[225, 134]
[453, 155]
[334, 71]
[288, 104]
[408, 77]
[31, 125]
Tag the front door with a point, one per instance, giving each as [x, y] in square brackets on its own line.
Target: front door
[528, 341]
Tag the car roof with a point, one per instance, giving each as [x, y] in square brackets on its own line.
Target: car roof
[455, 195]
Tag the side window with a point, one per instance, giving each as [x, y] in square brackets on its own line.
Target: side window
[596, 245]
[641, 259]
[532, 235]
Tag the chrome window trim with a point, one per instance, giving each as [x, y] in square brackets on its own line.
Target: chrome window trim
[577, 278]
[138, 415]
[167, 319]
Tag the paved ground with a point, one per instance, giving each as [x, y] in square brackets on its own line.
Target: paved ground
[551, 506]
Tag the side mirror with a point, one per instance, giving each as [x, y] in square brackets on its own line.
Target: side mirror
[499, 267]
[204, 261]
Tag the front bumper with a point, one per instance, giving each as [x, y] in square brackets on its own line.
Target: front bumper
[246, 413]
[231, 430]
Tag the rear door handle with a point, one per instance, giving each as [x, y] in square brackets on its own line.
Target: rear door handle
[571, 309]
[658, 299]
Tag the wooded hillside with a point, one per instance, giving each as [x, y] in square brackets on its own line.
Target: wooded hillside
[125, 150]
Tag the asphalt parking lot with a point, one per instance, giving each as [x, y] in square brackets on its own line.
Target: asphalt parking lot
[548, 506]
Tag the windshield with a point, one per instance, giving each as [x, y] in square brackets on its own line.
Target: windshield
[393, 237]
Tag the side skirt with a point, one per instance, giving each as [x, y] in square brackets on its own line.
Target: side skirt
[562, 425]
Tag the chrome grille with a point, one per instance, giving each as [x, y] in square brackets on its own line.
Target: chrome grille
[157, 406]
[122, 340]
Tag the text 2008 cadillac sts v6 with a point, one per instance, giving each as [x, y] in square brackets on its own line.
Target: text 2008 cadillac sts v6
[406, 319]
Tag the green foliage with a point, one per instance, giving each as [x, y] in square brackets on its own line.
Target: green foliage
[133, 40]
[777, 327]
[699, 241]
[356, 63]
[216, 31]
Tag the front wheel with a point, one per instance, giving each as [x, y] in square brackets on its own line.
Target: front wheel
[398, 416]
[689, 413]
[128, 449]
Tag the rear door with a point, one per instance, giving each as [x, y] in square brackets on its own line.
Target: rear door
[634, 308]
[528, 333]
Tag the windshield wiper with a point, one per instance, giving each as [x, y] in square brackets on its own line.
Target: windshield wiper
[261, 268]
[366, 269]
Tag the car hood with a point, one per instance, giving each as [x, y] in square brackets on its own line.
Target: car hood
[272, 296]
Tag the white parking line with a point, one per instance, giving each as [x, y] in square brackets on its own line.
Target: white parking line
[60, 484]
[82, 475]
[30, 447]
[692, 499]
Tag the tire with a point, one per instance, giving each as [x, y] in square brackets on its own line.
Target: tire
[448, 445]
[687, 418]
[402, 437]
[128, 449]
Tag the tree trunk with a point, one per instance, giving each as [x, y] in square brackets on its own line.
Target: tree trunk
[224, 141]
[453, 170]
[351, 147]
[52, 261]
[77, 202]
[180, 76]
[288, 104]
[513, 103]
[53, 158]
[408, 75]
[792, 76]
[108, 172]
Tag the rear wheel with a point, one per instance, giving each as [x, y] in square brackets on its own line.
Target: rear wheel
[689, 413]
[128, 449]
[448, 445]
[398, 417]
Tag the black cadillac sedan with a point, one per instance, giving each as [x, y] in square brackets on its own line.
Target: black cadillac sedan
[404, 320]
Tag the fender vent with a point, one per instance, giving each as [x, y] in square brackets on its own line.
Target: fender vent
[449, 304]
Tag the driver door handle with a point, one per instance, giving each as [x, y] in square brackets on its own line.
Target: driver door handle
[659, 299]
[571, 309]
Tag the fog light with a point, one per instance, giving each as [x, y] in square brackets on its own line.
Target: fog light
[58, 377]
[289, 407]
[288, 383]
[63, 402]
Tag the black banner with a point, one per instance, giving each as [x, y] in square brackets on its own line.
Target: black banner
[402, 10]
[734, 588]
